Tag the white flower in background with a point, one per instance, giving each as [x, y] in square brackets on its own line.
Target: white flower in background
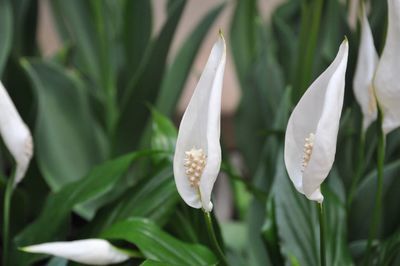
[366, 65]
[311, 134]
[15, 134]
[87, 251]
[197, 156]
[387, 76]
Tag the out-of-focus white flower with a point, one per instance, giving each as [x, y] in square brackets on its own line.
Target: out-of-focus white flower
[15, 134]
[387, 78]
[87, 251]
[365, 70]
[311, 134]
[197, 156]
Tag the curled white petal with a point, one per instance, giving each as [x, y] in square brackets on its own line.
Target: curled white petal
[15, 134]
[200, 129]
[365, 70]
[87, 251]
[386, 81]
[311, 134]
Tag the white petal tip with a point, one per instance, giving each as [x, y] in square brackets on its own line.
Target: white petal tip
[87, 251]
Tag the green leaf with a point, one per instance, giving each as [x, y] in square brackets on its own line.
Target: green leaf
[76, 20]
[6, 32]
[68, 140]
[137, 26]
[177, 74]
[298, 224]
[25, 20]
[145, 86]
[155, 263]
[154, 198]
[361, 207]
[59, 205]
[157, 245]
[163, 132]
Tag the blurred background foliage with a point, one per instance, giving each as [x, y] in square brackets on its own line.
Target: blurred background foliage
[101, 111]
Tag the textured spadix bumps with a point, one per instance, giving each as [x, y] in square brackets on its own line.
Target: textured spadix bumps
[86, 251]
[311, 134]
[387, 78]
[197, 156]
[15, 134]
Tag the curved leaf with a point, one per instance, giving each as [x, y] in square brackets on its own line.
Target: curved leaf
[157, 245]
[68, 141]
[6, 31]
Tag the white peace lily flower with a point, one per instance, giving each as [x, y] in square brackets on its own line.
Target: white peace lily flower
[387, 79]
[311, 134]
[15, 134]
[86, 251]
[197, 156]
[366, 65]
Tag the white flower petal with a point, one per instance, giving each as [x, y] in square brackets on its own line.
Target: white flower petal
[318, 113]
[387, 79]
[15, 134]
[366, 65]
[200, 129]
[87, 251]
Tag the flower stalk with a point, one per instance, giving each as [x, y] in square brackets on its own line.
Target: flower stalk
[321, 217]
[211, 233]
[379, 188]
[6, 217]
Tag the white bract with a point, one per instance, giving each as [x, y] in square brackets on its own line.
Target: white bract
[87, 251]
[15, 134]
[197, 156]
[387, 78]
[365, 70]
[311, 134]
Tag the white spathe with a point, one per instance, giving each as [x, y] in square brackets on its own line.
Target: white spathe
[15, 134]
[311, 134]
[199, 132]
[86, 251]
[387, 78]
[365, 70]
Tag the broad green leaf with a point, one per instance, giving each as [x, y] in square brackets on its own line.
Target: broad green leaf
[176, 76]
[83, 23]
[163, 132]
[154, 198]
[298, 224]
[25, 20]
[270, 234]
[157, 245]
[6, 32]
[145, 86]
[363, 205]
[155, 263]
[58, 206]
[68, 140]
[137, 28]
[282, 24]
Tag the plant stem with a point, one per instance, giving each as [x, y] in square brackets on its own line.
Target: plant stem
[379, 190]
[214, 240]
[358, 171]
[321, 216]
[6, 218]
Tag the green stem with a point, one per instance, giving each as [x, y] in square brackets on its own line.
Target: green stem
[321, 216]
[214, 240]
[359, 169]
[379, 190]
[6, 218]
